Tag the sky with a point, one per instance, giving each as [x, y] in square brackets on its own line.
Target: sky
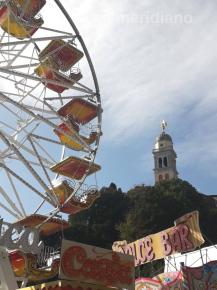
[155, 60]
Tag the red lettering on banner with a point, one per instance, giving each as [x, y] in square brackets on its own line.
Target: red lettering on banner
[138, 252]
[150, 255]
[167, 248]
[75, 263]
[72, 261]
[142, 254]
[175, 240]
[184, 232]
[135, 251]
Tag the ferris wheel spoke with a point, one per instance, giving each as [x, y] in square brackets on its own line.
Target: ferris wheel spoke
[7, 125]
[2, 36]
[58, 31]
[16, 194]
[41, 118]
[19, 129]
[44, 169]
[10, 211]
[49, 215]
[20, 66]
[35, 40]
[18, 54]
[44, 150]
[39, 207]
[48, 140]
[91, 92]
[27, 94]
[46, 81]
[22, 124]
[28, 166]
[70, 97]
[22, 146]
[41, 73]
[11, 156]
[44, 111]
[10, 202]
[30, 138]
[27, 184]
[14, 54]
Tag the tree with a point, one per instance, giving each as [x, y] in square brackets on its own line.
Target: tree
[97, 225]
[154, 208]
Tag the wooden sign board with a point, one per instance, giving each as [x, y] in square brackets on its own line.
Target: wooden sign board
[185, 236]
[96, 266]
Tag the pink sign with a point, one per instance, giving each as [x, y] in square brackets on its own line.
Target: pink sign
[164, 281]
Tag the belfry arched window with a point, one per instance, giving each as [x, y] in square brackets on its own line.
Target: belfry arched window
[160, 161]
[165, 161]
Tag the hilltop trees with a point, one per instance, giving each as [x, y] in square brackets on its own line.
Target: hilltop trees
[154, 208]
[142, 211]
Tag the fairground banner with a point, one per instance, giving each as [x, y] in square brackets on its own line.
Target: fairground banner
[96, 266]
[164, 281]
[200, 278]
[183, 237]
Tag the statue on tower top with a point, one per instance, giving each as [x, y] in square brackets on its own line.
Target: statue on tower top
[163, 126]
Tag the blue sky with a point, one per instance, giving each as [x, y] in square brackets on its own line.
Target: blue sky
[155, 60]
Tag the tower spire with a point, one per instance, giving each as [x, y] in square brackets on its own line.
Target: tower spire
[164, 156]
[163, 126]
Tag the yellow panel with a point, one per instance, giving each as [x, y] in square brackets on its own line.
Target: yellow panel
[14, 28]
[62, 191]
[20, 30]
[70, 143]
[65, 139]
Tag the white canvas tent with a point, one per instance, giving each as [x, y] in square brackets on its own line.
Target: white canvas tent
[191, 259]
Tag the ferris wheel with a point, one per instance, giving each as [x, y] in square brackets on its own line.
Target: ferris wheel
[50, 114]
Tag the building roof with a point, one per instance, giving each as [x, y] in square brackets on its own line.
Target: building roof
[164, 137]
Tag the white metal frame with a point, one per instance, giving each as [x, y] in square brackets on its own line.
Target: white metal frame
[33, 106]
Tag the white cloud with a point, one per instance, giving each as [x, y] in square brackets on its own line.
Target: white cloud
[150, 71]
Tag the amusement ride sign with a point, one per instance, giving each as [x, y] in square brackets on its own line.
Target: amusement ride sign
[184, 236]
[97, 266]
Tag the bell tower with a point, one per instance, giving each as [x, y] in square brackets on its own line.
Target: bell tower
[164, 157]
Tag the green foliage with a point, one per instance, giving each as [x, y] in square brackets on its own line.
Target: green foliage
[97, 225]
